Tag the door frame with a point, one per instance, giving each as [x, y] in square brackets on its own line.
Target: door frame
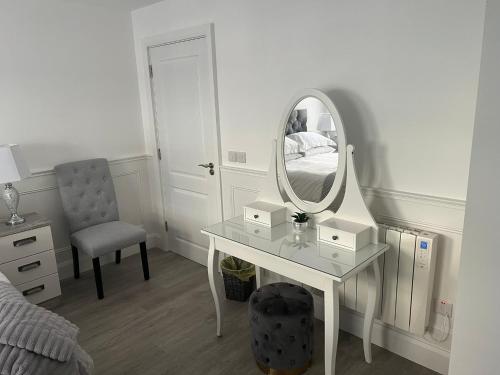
[205, 31]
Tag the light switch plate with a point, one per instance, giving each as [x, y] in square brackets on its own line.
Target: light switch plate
[232, 156]
[242, 157]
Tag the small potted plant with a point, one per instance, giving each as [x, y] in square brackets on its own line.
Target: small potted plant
[300, 222]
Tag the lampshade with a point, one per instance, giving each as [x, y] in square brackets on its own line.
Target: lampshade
[325, 122]
[12, 164]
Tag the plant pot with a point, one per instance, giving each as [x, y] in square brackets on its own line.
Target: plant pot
[300, 227]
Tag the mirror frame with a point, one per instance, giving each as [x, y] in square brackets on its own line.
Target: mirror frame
[326, 202]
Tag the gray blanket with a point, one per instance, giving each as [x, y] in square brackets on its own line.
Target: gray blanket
[35, 341]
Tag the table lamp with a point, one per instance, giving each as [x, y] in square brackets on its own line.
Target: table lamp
[325, 124]
[12, 168]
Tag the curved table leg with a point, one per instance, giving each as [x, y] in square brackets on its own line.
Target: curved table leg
[216, 283]
[331, 296]
[374, 287]
[258, 276]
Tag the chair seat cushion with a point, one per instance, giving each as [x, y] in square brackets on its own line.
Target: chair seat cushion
[104, 238]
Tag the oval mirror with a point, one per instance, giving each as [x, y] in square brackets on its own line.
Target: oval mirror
[311, 151]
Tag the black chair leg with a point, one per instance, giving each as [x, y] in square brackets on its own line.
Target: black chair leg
[144, 258]
[76, 262]
[118, 256]
[98, 277]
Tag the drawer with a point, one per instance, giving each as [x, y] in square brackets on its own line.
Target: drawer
[264, 213]
[258, 216]
[348, 235]
[337, 237]
[41, 289]
[26, 269]
[26, 243]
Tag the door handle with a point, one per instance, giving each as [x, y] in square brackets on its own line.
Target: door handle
[210, 166]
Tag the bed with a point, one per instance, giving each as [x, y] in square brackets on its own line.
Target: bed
[312, 177]
[35, 341]
[311, 159]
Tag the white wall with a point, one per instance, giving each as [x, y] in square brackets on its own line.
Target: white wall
[403, 74]
[68, 91]
[67, 82]
[476, 346]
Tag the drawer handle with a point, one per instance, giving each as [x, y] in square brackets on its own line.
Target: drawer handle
[36, 289]
[24, 241]
[255, 216]
[335, 237]
[29, 266]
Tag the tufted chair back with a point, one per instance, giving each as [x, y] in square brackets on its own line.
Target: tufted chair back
[87, 193]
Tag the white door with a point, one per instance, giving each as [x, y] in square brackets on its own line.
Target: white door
[186, 125]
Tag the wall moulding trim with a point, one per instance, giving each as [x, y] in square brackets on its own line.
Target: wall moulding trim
[122, 160]
[417, 198]
[245, 171]
[54, 187]
[397, 221]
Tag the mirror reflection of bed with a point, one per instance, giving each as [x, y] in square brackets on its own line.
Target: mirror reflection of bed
[310, 150]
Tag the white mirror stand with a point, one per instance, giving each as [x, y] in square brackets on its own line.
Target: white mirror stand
[353, 207]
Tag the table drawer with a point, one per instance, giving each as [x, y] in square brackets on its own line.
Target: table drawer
[26, 269]
[346, 234]
[264, 213]
[26, 243]
[41, 289]
[337, 237]
[258, 216]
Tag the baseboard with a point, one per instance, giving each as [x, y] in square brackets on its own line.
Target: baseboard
[65, 268]
[199, 256]
[413, 348]
[405, 345]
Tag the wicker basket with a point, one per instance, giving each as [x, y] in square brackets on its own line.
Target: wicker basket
[238, 288]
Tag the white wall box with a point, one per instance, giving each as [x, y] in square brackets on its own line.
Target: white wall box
[264, 213]
[343, 233]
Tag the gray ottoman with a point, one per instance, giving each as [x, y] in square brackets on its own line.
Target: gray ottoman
[282, 323]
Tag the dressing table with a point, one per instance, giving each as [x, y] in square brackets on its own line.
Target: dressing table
[265, 237]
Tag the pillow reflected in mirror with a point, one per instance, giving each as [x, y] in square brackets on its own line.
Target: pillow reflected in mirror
[291, 147]
[320, 150]
[309, 140]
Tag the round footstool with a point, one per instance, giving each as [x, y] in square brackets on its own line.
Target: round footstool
[282, 324]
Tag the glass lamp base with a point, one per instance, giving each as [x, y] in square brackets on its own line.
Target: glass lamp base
[15, 219]
[11, 198]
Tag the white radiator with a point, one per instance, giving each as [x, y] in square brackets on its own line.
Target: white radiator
[408, 269]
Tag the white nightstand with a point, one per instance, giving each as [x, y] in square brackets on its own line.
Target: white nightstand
[28, 260]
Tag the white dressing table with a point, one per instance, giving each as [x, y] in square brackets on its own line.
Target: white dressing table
[342, 240]
[300, 257]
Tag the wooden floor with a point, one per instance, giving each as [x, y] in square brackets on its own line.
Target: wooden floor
[167, 325]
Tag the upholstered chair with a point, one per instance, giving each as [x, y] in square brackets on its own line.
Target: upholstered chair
[89, 203]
